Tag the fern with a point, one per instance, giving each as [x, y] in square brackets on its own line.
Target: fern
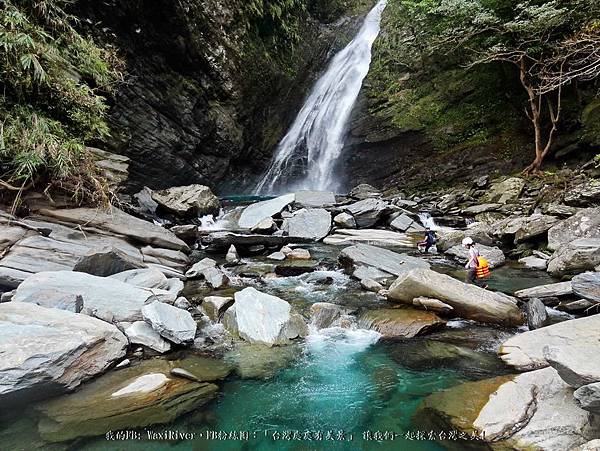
[52, 80]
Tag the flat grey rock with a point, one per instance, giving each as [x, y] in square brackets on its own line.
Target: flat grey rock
[119, 222]
[580, 255]
[375, 237]
[45, 351]
[172, 323]
[315, 199]
[142, 333]
[367, 212]
[310, 223]
[525, 351]
[587, 285]
[379, 258]
[545, 291]
[253, 214]
[105, 298]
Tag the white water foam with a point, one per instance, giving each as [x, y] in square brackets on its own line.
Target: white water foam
[338, 342]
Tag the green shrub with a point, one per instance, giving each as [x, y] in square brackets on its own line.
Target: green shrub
[53, 84]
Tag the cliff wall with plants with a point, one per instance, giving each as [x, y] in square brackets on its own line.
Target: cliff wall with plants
[446, 99]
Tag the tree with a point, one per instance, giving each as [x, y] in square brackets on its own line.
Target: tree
[542, 40]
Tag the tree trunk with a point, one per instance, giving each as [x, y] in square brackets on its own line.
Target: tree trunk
[535, 116]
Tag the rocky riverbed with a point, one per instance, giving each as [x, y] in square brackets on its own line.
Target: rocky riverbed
[174, 307]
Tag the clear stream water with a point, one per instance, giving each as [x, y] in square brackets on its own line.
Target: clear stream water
[336, 380]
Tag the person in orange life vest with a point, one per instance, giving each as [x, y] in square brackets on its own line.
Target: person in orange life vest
[472, 263]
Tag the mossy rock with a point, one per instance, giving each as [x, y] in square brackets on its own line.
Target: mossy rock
[134, 397]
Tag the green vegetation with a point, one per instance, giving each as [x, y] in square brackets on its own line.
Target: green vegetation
[465, 70]
[52, 81]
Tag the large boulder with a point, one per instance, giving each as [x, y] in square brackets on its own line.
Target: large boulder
[255, 213]
[145, 278]
[367, 212]
[526, 351]
[575, 257]
[400, 322]
[310, 223]
[393, 263]
[533, 262]
[587, 285]
[174, 324]
[262, 318]
[468, 301]
[142, 395]
[506, 191]
[584, 224]
[533, 410]
[186, 201]
[105, 298]
[546, 291]
[375, 237]
[326, 314]
[315, 199]
[405, 223]
[364, 191]
[60, 251]
[47, 351]
[493, 255]
[221, 241]
[142, 333]
[587, 193]
[478, 232]
[577, 365]
[537, 316]
[345, 220]
[121, 223]
[588, 398]
[534, 226]
[107, 262]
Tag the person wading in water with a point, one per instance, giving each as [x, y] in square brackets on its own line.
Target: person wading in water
[472, 263]
[429, 241]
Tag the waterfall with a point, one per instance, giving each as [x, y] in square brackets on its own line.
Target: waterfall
[306, 156]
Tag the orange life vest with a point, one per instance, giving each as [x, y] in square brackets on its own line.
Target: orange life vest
[483, 268]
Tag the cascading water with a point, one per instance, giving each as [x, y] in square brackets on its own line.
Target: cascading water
[306, 156]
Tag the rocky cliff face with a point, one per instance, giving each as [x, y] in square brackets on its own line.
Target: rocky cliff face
[204, 101]
[420, 124]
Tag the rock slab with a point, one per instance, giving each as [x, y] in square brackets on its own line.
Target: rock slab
[172, 323]
[48, 351]
[526, 351]
[262, 318]
[468, 301]
[103, 297]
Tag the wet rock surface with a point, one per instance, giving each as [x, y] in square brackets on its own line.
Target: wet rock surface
[143, 395]
[400, 322]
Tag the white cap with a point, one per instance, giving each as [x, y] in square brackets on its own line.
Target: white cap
[467, 241]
